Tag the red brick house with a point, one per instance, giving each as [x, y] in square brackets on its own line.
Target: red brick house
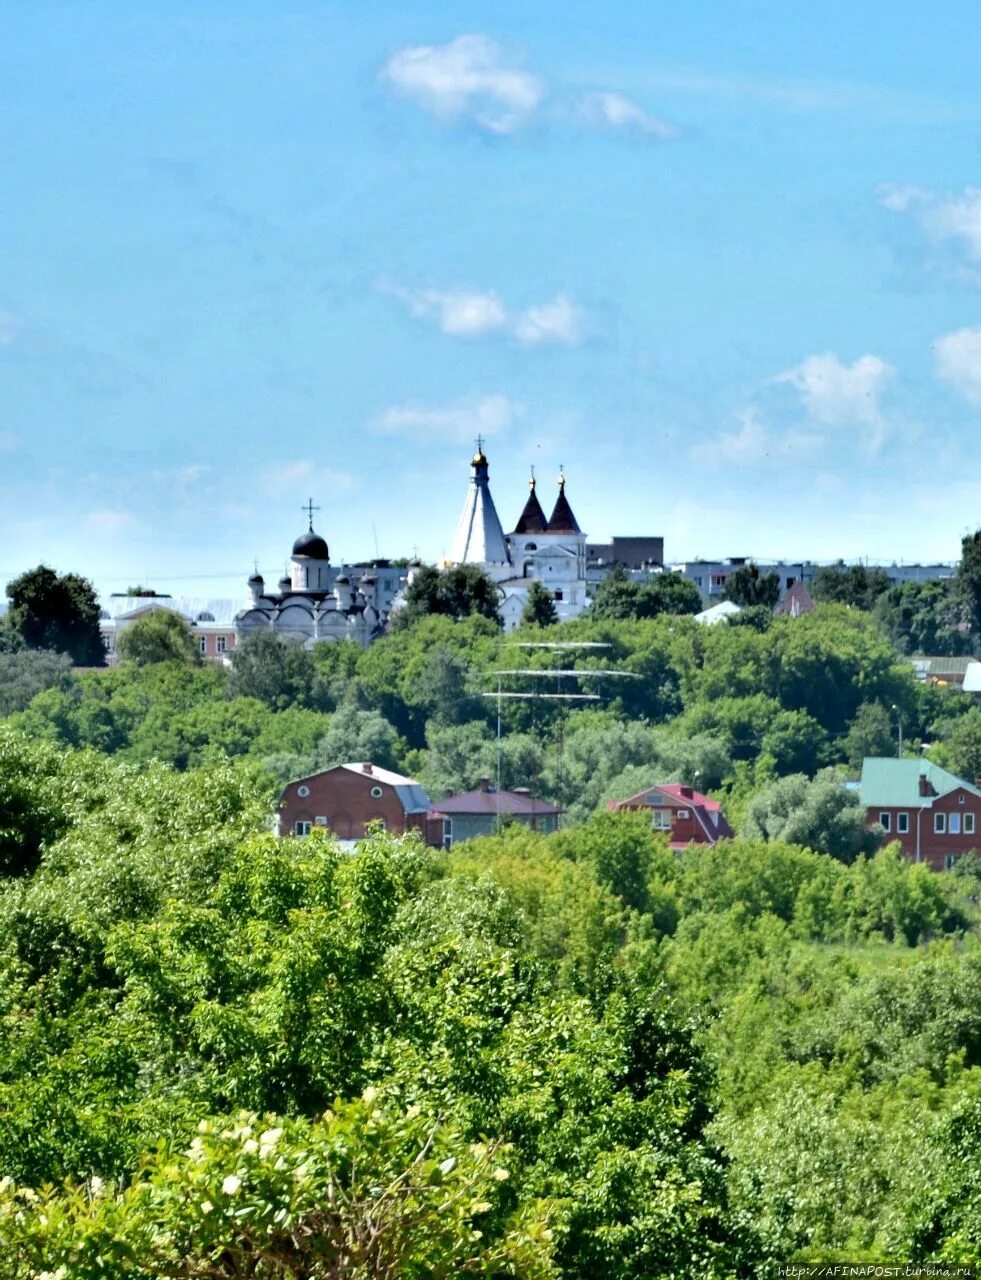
[934, 815]
[680, 812]
[347, 797]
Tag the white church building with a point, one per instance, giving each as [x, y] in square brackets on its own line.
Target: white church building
[549, 550]
[314, 603]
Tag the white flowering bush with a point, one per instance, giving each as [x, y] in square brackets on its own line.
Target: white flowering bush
[366, 1191]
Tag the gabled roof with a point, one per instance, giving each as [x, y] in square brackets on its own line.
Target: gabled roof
[889, 783]
[674, 795]
[532, 519]
[562, 520]
[412, 796]
[492, 802]
[797, 601]
[720, 612]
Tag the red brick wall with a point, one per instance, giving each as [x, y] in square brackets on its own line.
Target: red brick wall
[934, 847]
[344, 798]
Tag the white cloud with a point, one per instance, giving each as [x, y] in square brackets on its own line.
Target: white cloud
[958, 358]
[471, 313]
[557, 321]
[463, 313]
[489, 416]
[946, 220]
[288, 477]
[836, 394]
[471, 77]
[755, 440]
[614, 113]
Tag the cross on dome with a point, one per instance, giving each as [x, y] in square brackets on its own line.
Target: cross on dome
[309, 508]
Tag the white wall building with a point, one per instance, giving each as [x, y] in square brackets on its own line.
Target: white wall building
[548, 550]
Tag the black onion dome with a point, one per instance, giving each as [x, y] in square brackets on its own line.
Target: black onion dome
[256, 580]
[311, 544]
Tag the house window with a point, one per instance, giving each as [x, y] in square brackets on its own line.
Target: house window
[661, 819]
[961, 798]
[302, 828]
[320, 822]
[902, 823]
[203, 644]
[683, 813]
[885, 821]
[447, 833]
[376, 793]
[939, 824]
[949, 861]
[558, 595]
[221, 644]
[954, 825]
[303, 790]
[969, 824]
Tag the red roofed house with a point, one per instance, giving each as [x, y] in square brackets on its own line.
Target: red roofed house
[477, 813]
[681, 812]
[347, 797]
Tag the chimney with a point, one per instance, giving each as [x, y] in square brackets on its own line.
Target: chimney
[926, 787]
[485, 784]
[449, 793]
[366, 768]
[687, 792]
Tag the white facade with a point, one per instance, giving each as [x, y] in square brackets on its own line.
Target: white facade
[550, 550]
[314, 603]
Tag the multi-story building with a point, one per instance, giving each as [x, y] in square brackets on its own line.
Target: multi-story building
[935, 816]
[211, 620]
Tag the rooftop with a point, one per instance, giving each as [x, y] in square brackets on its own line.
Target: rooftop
[890, 783]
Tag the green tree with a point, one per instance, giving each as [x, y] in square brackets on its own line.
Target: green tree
[960, 751]
[159, 636]
[871, 733]
[26, 673]
[923, 617]
[355, 735]
[747, 587]
[280, 673]
[455, 593]
[539, 608]
[968, 582]
[61, 613]
[853, 585]
[617, 598]
[821, 814]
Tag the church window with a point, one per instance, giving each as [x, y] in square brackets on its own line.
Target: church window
[531, 546]
[220, 644]
[558, 595]
[203, 644]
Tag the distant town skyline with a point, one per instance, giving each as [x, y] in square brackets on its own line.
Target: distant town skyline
[722, 264]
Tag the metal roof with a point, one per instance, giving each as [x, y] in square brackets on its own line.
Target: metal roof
[891, 783]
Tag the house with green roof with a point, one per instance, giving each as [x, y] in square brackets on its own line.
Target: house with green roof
[934, 815]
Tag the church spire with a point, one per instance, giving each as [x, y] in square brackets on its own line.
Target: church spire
[532, 518]
[562, 520]
[479, 536]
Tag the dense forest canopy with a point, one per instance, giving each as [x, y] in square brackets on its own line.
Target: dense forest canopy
[564, 1056]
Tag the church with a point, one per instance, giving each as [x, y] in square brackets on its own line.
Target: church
[314, 603]
[549, 550]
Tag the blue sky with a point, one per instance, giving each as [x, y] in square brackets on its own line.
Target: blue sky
[723, 262]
